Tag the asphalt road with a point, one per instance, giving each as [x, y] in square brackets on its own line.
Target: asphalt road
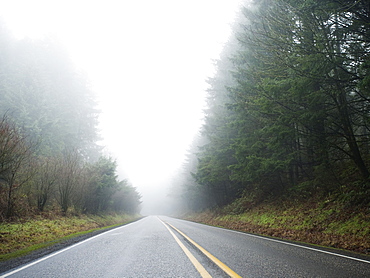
[167, 247]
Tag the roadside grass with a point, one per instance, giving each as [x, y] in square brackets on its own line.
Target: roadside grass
[315, 221]
[21, 238]
[358, 224]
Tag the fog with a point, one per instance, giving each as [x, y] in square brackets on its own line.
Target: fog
[148, 62]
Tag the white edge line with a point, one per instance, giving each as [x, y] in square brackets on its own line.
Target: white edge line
[287, 243]
[6, 274]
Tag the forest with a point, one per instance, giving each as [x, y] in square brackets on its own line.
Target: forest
[288, 109]
[287, 117]
[50, 157]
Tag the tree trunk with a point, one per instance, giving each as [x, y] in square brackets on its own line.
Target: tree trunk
[350, 136]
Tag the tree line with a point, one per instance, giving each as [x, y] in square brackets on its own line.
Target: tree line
[288, 108]
[50, 159]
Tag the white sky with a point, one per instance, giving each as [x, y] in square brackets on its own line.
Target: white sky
[147, 60]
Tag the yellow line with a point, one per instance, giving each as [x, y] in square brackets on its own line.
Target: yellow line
[220, 264]
[202, 271]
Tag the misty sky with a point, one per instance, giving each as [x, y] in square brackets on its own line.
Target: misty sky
[147, 61]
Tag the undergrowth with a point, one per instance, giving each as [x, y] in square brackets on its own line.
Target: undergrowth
[320, 221]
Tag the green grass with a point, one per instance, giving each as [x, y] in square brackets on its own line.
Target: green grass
[18, 239]
[355, 225]
[315, 221]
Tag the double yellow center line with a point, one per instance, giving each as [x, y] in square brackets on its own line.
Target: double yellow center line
[203, 272]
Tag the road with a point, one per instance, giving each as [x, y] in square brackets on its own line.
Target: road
[167, 247]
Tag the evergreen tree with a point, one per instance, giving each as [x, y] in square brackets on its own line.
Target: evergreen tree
[41, 90]
[288, 106]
